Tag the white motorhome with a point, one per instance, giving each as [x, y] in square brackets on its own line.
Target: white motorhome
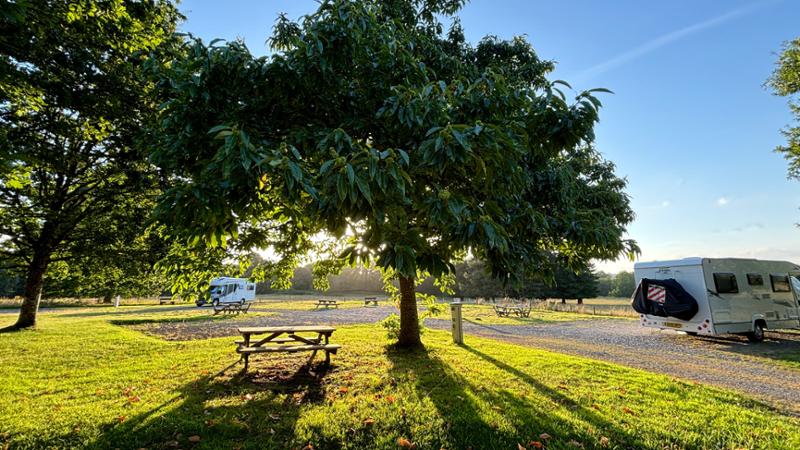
[740, 296]
[229, 290]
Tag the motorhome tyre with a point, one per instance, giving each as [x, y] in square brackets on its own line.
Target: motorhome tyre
[757, 335]
[215, 303]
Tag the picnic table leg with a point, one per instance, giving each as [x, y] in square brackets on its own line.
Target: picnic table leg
[327, 352]
[246, 356]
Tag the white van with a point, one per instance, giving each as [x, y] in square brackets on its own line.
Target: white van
[229, 290]
[740, 296]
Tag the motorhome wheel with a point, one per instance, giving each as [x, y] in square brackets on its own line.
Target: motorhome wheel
[757, 335]
[215, 303]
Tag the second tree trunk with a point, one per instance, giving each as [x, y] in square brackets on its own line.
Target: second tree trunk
[409, 318]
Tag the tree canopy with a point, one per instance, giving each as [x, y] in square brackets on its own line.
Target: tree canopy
[785, 81]
[373, 124]
[72, 102]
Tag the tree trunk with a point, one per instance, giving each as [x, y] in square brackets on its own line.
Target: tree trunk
[563, 300]
[107, 297]
[33, 289]
[409, 318]
[580, 301]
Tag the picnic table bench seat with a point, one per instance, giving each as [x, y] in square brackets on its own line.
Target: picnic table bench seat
[371, 300]
[332, 348]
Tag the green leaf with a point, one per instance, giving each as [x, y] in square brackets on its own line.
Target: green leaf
[351, 174]
[403, 155]
[297, 173]
[364, 188]
[326, 166]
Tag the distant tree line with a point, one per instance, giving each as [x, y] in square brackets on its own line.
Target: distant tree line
[473, 281]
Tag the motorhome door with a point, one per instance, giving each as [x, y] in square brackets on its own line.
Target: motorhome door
[796, 291]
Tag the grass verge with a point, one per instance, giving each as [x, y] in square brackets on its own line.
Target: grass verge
[82, 382]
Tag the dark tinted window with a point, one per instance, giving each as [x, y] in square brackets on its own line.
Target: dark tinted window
[755, 279]
[726, 283]
[780, 283]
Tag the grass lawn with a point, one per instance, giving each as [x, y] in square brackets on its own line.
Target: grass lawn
[83, 382]
[309, 303]
[484, 314]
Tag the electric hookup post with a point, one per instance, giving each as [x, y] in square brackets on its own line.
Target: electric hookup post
[458, 330]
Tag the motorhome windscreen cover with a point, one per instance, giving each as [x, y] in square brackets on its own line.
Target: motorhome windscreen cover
[664, 298]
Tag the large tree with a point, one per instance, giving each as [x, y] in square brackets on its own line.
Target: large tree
[72, 101]
[785, 81]
[371, 123]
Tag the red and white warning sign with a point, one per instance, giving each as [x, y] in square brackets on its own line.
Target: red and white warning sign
[656, 293]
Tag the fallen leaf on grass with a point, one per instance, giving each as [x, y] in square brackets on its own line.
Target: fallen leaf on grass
[194, 439]
[545, 437]
[405, 443]
[520, 447]
[627, 410]
[308, 446]
[247, 397]
[121, 419]
[603, 441]
[127, 391]
[133, 399]
[535, 444]
[574, 443]
[369, 421]
[275, 417]
[390, 399]
[343, 390]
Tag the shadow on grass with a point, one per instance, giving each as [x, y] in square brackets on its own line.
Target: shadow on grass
[143, 321]
[230, 409]
[783, 347]
[497, 417]
[137, 309]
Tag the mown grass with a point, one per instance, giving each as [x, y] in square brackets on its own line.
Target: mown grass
[82, 382]
[310, 304]
[485, 314]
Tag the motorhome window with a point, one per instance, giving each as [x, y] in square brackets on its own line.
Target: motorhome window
[780, 283]
[726, 283]
[251, 287]
[755, 279]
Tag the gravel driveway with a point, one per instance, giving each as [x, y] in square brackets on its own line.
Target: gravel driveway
[729, 361]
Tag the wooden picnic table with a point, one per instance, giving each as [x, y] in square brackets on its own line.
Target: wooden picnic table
[373, 300]
[286, 339]
[231, 308]
[507, 310]
[326, 303]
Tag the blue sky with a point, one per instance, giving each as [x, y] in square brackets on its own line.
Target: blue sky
[690, 124]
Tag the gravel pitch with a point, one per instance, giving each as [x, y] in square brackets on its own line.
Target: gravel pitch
[730, 361]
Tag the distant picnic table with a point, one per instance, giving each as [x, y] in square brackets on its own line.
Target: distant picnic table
[326, 303]
[371, 300]
[231, 308]
[508, 310]
[286, 339]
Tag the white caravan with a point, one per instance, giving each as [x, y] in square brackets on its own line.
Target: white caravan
[229, 290]
[741, 296]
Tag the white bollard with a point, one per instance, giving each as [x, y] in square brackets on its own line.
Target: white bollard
[458, 329]
[116, 302]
